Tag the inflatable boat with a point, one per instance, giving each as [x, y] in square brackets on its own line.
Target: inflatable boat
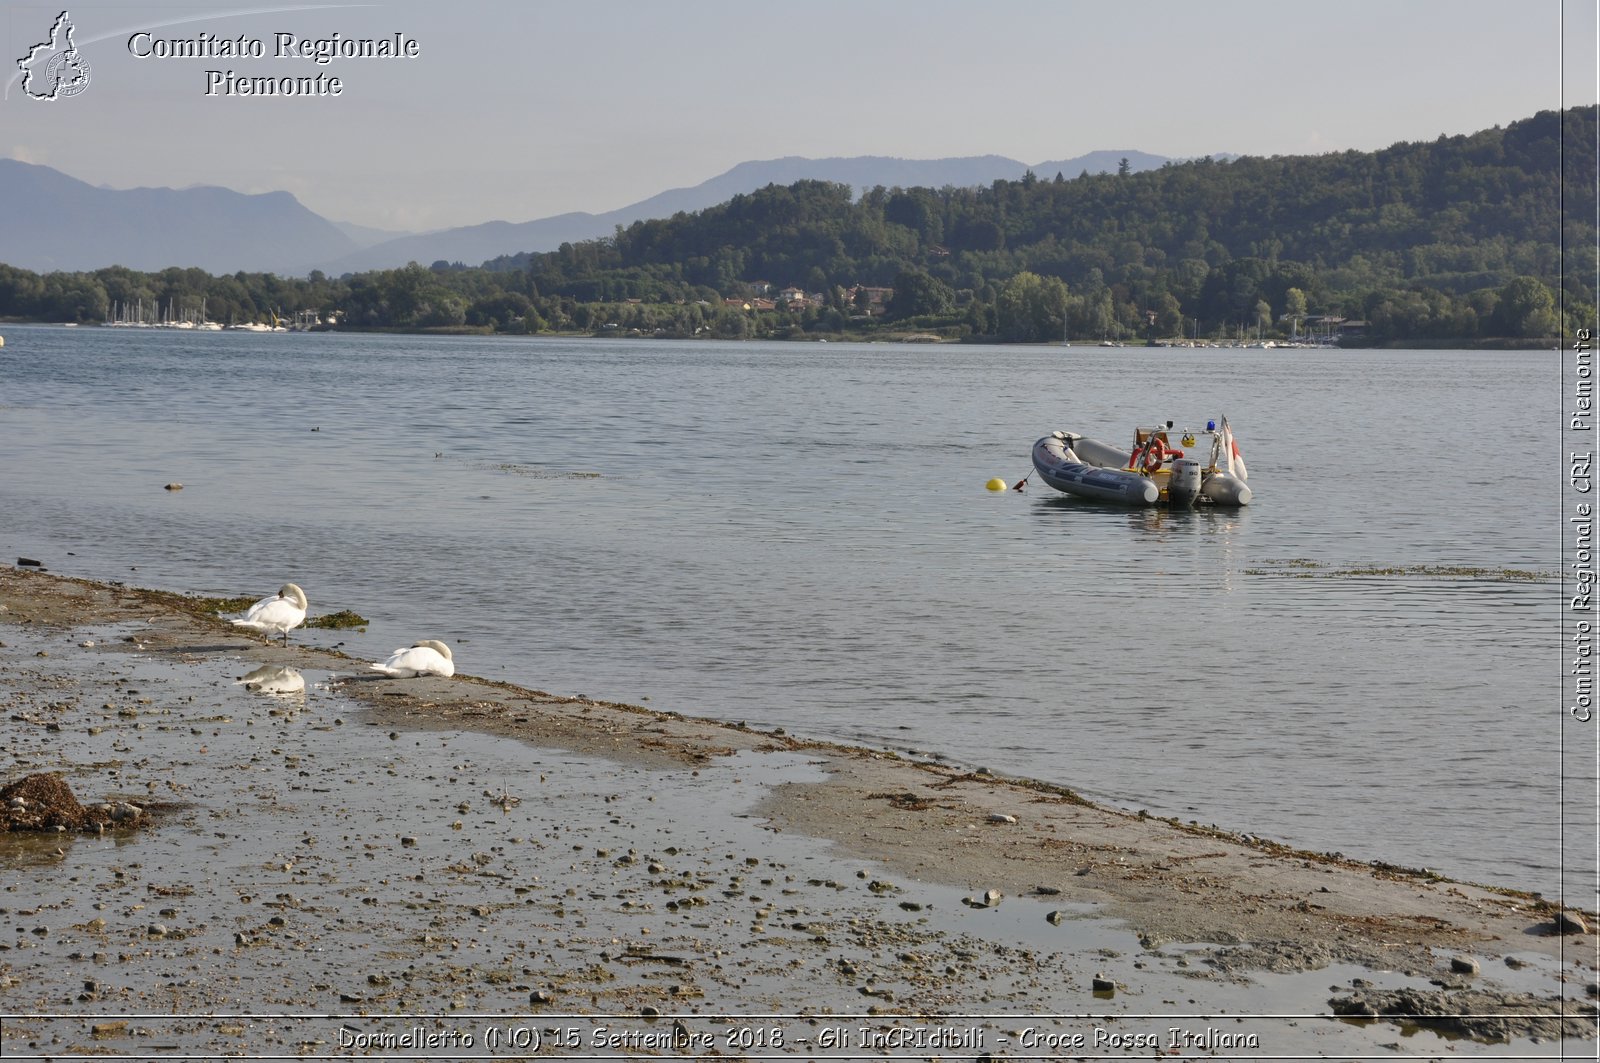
[1175, 466]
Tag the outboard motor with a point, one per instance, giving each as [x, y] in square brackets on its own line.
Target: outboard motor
[1184, 485]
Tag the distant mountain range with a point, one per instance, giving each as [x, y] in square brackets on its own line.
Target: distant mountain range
[50, 221]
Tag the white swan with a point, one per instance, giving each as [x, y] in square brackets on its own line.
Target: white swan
[276, 615]
[428, 657]
[273, 679]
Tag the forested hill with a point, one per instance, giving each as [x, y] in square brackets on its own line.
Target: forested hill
[1457, 239]
[1419, 226]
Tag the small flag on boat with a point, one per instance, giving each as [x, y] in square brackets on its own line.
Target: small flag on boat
[1235, 458]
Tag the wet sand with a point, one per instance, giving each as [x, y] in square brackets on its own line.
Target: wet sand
[435, 866]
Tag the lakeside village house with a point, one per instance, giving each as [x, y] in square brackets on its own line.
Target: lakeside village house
[872, 302]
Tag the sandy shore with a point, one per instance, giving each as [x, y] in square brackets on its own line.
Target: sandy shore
[402, 867]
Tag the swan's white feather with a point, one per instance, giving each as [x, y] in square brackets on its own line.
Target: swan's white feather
[428, 657]
[277, 615]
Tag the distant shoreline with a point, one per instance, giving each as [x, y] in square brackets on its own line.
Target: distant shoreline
[1492, 343]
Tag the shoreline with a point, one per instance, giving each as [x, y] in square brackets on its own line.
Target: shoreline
[902, 335]
[1182, 899]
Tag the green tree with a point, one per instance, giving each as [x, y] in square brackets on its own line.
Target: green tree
[1031, 308]
[1263, 315]
[1169, 315]
[917, 293]
[1525, 308]
[1294, 304]
[74, 297]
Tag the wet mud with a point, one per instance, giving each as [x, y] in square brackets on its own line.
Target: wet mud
[379, 867]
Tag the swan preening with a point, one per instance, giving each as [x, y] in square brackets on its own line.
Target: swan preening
[276, 615]
[428, 657]
[287, 610]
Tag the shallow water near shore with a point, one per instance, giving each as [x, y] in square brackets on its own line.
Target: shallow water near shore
[320, 883]
[798, 535]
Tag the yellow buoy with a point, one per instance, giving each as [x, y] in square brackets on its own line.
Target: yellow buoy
[996, 484]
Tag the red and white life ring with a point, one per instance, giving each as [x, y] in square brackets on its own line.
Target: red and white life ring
[1157, 453]
[1154, 454]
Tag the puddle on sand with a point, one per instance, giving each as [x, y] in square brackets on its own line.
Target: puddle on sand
[325, 885]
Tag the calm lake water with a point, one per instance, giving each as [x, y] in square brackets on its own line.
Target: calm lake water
[798, 535]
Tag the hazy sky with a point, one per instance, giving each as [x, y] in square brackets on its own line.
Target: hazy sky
[521, 110]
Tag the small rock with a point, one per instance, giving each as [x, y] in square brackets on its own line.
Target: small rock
[988, 899]
[173, 487]
[1001, 817]
[28, 562]
[1055, 918]
[1101, 984]
[1570, 923]
[1464, 965]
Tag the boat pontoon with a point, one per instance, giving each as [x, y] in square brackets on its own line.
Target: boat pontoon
[1180, 467]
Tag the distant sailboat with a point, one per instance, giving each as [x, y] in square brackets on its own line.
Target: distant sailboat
[205, 324]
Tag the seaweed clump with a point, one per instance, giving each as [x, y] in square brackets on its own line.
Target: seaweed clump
[344, 618]
[44, 802]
